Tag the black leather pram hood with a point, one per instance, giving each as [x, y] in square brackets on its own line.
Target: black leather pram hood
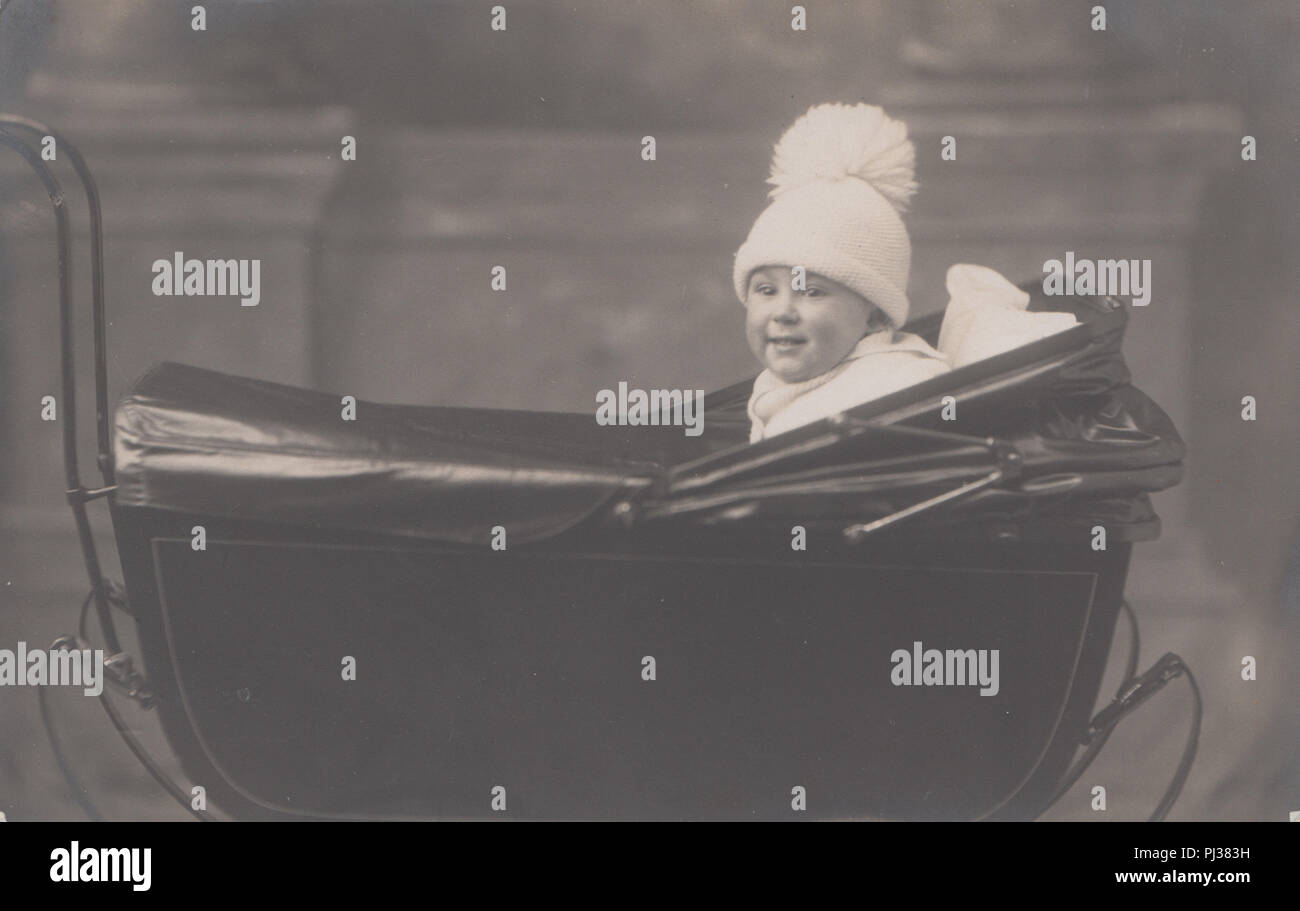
[1087, 448]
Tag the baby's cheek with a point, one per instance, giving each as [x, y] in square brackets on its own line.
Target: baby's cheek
[835, 345]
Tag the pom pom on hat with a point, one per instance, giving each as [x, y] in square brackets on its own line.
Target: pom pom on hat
[841, 175]
[835, 141]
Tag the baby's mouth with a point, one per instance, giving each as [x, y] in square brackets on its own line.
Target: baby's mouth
[786, 342]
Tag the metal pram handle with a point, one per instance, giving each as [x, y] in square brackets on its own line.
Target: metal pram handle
[76, 493]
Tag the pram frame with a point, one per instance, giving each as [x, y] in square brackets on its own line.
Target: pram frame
[1133, 691]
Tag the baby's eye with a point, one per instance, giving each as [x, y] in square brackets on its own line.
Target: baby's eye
[815, 292]
[765, 288]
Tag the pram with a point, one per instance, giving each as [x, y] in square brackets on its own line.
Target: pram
[435, 612]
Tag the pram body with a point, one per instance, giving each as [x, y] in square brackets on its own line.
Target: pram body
[525, 669]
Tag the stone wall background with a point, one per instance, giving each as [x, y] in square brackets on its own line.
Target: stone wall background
[521, 148]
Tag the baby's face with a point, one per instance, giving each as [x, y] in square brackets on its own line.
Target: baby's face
[801, 334]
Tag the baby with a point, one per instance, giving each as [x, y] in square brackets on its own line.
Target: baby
[823, 273]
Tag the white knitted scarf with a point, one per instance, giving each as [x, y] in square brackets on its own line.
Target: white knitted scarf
[772, 394]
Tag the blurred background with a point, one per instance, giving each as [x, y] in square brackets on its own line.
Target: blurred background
[522, 148]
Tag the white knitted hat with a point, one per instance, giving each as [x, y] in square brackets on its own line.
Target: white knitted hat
[841, 176]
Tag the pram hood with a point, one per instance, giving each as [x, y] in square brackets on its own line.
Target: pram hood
[1072, 442]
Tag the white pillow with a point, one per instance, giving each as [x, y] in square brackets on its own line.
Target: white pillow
[986, 316]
